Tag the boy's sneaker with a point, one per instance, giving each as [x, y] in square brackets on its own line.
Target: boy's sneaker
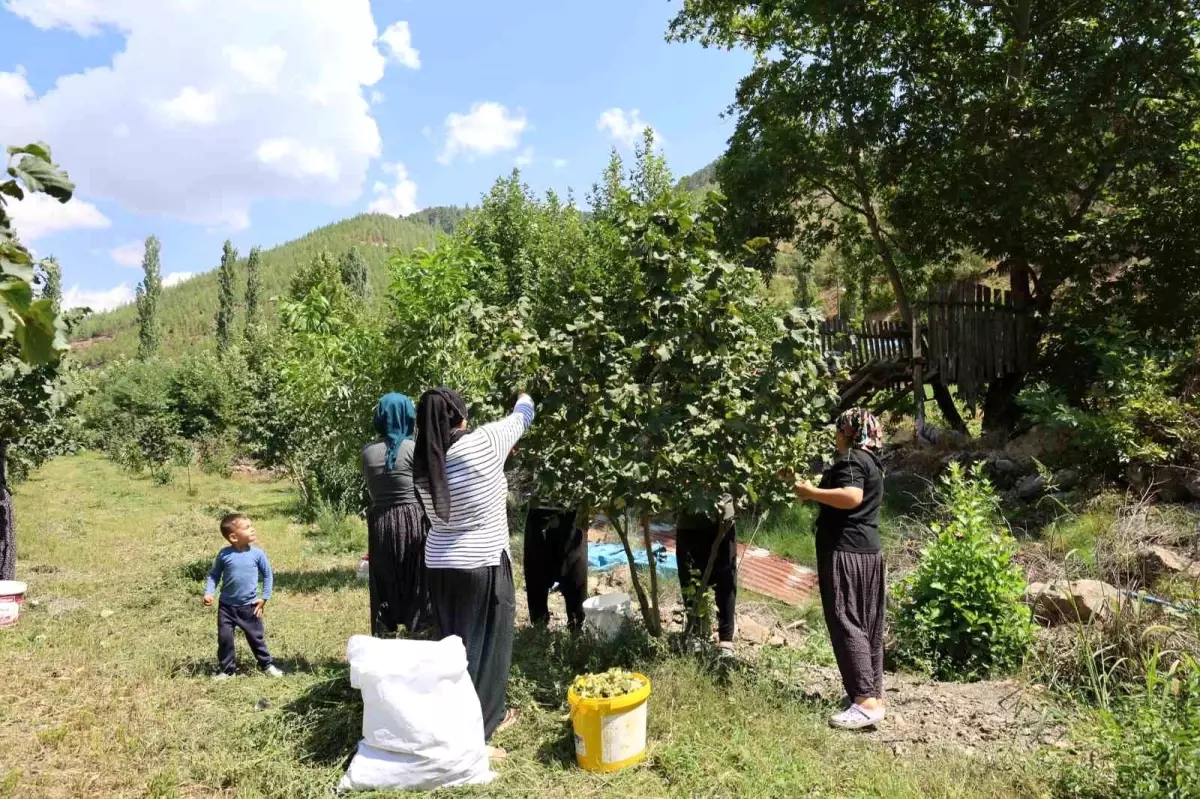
[272, 671]
[222, 676]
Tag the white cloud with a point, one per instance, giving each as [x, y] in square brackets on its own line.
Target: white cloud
[625, 127]
[192, 107]
[261, 66]
[399, 199]
[128, 254]
[488, 128]
[293, 158]
[178, 122]
[98, 300]
[525, 158]
[39, 215]
[175, 278]
[398, 41]
[378, 97]
[560, 163]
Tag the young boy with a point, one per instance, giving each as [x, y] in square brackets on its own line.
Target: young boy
[237, 569]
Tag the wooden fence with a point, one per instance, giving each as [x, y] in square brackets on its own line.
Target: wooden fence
[971, 335]
[974, 335]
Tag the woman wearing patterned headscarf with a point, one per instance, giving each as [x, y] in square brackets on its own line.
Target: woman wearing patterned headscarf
[850, 564]
[460, 481]
[396, 525]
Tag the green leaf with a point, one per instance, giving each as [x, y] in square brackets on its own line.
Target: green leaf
[39, 175]
[12, 189]
[37, 149]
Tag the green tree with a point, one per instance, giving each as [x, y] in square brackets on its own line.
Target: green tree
[253, 290]
[52, 282]
[31, 322]
[1034, 136]
[354, 274]
[36, 407]
[226, 278]
[149, 294]
[664, 397]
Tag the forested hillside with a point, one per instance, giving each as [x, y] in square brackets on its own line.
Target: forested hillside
[189, 309]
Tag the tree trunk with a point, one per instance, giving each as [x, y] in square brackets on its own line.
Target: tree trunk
[8, 534]
[945, 403]
[653, 566]
[653, 624]
[1001, 414]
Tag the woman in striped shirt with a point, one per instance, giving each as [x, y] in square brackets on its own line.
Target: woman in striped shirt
[460, 480]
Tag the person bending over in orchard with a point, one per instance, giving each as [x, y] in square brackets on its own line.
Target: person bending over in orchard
[696, 538]
[459, 475]
[396, 525]
[850, 566]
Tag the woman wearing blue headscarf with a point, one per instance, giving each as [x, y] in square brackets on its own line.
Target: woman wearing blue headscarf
[396, 523]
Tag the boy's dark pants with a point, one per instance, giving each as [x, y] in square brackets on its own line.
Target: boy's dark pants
[243, 618]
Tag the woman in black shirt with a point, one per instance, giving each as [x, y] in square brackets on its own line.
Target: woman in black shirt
[850, 564]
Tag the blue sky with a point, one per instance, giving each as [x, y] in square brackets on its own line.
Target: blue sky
[259, 120]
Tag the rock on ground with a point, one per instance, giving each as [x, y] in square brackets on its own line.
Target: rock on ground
[1159, 561]
[1066, 601]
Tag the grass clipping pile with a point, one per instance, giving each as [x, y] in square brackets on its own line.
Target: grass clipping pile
[607, 684]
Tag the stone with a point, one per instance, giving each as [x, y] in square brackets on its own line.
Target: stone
[750, 630]
[1158, 561]
[1071, 601]
[1001, 470]
[106, 613]
[1192, 484]
[777, 640]
[1066, 479]
[1031, 487]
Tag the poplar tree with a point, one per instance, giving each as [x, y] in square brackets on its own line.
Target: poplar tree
[149, 291]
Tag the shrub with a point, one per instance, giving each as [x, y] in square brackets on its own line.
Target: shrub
[1145, 746]
[1123, 399]
[960, 614]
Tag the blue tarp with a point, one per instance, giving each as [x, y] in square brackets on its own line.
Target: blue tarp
[602, 557]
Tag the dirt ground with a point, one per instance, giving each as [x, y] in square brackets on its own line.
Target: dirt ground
[977, 719]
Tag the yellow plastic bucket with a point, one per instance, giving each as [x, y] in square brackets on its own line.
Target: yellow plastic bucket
[610, 734]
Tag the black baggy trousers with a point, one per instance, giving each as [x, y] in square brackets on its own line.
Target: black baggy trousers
[693, 546]
[479, 606]
[555, 552]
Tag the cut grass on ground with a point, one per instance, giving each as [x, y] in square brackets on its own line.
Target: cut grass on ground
[107, 691]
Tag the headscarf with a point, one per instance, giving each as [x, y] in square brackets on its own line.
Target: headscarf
[395, 421]
[861, 429]
[439, 412]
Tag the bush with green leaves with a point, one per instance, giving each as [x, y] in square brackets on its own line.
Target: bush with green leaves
[1145, 746]
[328, 371]
[960, 614]
[1122, 397]
[154, 414]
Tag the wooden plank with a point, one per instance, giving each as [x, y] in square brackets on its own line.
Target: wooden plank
[987, 328]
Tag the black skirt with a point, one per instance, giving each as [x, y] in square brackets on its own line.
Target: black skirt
[396, 556]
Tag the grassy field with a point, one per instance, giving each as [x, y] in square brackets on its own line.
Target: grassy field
[107, 688]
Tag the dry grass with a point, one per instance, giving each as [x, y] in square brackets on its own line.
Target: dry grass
[106, 688]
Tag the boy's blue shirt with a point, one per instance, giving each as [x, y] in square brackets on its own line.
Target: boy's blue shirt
[238, 573]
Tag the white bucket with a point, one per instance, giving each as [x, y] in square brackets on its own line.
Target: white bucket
[12, 594]
[605, 615]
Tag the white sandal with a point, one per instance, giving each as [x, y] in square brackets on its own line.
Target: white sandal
[857, 717]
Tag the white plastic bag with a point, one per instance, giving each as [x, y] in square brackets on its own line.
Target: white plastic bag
[422, 725]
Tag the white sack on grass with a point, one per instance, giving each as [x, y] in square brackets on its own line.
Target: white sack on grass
[422, 725]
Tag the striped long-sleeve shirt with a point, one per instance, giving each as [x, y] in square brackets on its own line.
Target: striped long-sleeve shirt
[476, 534]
